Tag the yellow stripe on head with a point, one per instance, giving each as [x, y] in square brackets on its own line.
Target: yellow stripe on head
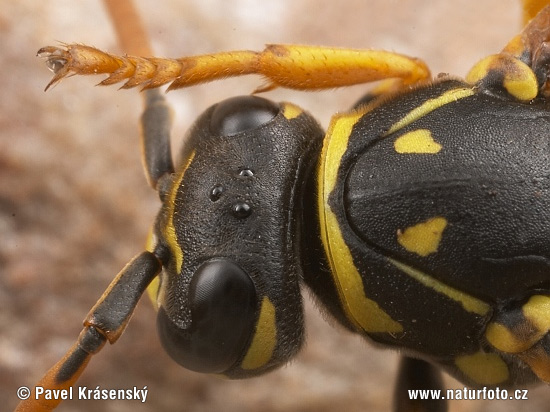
[291, 111]
[264, 340]
[169, 229]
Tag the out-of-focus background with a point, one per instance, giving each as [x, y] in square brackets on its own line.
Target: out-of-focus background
[74, 204]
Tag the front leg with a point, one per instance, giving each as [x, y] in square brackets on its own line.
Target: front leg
[290, 66]
[105, 322]
[156, 123]
[418, 376]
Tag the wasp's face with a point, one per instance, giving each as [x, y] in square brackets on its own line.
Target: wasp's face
[229, 299]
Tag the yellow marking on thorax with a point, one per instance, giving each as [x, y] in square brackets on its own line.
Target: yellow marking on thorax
[526, 338]
[334, 147]
[169, 229]
[537, 316]
[429, 106]
[417, 141]
[264, 340]
[483, 368]
[518, 78]
[291, 111]
[505, 340]
[364, 313]
[469, 303]
[423, 238]
[537, 311]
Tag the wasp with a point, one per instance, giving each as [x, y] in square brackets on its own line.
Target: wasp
[418, 219]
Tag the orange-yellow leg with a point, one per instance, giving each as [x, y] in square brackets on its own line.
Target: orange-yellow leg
[531, 8]
[63, 374]
[105, 322]
[131, 32]
[290, 66]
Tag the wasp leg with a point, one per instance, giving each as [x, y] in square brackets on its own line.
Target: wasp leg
[418, 375]
[156, 123]
[531, 8]
[156, 119]
[290, 66]
[524, 331]
[521, 69]
[131, 33]
[105, 322]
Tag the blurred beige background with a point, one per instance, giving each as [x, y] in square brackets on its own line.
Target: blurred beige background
[74, 204]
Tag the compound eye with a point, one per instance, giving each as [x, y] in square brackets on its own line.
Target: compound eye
[240, 114]
[223, 299]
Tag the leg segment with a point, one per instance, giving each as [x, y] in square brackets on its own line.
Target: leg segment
[156, 118]
[294, 67]
[131, 33]
[105, 322]
[416, 374]
[531, 8]
[64, 373]
[156, 122]
[108, 318]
